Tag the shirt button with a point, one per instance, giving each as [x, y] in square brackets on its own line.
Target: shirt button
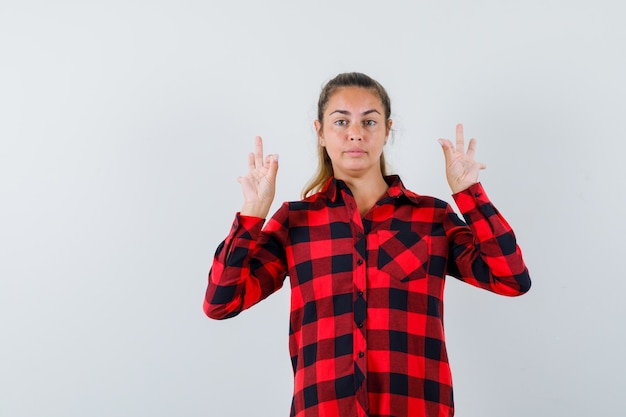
[359, 262]
[359, 325]
[360, 235]
[360, 293]
[361, 354]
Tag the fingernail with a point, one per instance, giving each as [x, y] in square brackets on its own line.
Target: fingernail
[276, 157]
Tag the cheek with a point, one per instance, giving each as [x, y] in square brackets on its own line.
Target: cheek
[330, 135]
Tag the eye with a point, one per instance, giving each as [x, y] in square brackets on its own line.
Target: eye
[370, 122]
[341, 122]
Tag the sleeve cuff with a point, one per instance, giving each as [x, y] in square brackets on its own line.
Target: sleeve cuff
[247, 223]
[471, 197]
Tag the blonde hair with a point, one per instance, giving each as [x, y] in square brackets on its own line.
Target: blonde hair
[350, 79]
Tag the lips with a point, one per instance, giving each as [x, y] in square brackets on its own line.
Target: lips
[355, 152]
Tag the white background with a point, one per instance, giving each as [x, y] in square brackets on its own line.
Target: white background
[123, 128]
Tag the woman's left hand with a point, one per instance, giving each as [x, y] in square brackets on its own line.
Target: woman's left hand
[461, 168]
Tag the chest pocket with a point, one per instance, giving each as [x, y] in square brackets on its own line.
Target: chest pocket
[403, 255]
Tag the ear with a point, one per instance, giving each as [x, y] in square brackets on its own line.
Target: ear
[389, 123]
[318, 130]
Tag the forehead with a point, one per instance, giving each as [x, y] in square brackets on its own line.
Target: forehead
[355, 99]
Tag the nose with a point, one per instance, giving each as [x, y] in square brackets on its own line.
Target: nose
[355, 132]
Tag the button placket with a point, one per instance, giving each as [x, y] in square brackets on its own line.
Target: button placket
[359, 281]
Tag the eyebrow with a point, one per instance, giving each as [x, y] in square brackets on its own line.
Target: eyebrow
[346, 112]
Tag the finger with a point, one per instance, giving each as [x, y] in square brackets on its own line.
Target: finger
[273, 168]
[471, 148]
[460, 142]
[447, 147]
[258, 151]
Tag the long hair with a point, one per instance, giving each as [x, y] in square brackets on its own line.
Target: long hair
[349, 79]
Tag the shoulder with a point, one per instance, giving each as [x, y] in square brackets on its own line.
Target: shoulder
[314, 202]
[404, 195]
[289, 210]
[424, 201]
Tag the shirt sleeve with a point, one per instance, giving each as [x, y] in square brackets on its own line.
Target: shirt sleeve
[248, 266]
[484, 252]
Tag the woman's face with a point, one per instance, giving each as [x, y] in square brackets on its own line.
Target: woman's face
[354, 132]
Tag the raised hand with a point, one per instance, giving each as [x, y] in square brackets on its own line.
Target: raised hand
[461, 168]
[260, 184]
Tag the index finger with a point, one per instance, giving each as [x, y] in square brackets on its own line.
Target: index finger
[460, 142]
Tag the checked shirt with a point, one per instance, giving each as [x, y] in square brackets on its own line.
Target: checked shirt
[366, 325]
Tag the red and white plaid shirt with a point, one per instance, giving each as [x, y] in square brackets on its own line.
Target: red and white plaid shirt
[366, 326]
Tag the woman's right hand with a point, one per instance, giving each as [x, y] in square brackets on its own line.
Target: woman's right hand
[260, 184]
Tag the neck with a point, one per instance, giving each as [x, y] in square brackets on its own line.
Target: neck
[366, 191]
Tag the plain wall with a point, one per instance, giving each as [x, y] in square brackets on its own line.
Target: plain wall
[123, 128]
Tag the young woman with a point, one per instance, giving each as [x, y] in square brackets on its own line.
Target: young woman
[366, 260]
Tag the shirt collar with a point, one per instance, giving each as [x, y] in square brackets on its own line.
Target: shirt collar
[396, 189]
